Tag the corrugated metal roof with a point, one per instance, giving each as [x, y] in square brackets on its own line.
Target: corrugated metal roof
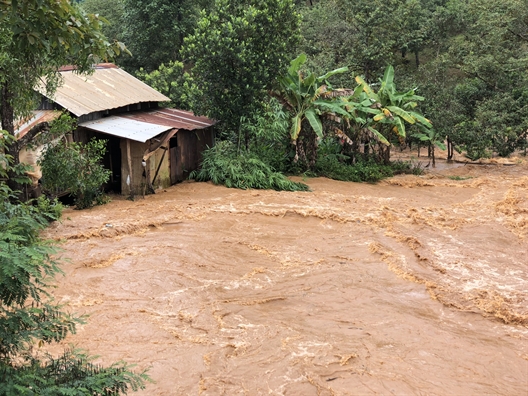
[127, 128]
[23, 126]
[174, 118]
[107, 88]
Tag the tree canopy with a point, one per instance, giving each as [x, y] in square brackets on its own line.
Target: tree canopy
[37, 37]
[236, 52]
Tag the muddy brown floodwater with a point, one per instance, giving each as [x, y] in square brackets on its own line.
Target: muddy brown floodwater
[417, 285]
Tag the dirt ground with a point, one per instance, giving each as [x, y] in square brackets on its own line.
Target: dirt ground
[417, 285]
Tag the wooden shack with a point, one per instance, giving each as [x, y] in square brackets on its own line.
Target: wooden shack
[148, 146]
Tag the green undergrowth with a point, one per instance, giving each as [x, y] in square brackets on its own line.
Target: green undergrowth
[222, 165]
[363, 171]
[459, 177]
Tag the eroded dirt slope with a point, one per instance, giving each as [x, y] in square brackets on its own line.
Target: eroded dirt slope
[416, 285]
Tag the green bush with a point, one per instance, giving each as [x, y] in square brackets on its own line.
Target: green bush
[333, 167]
[406, 167]
[76, 168]
[51, 209]
[222, 165]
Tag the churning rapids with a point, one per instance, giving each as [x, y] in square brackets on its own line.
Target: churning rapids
[417, 285]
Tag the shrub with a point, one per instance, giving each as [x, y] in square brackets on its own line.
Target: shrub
[51, 209]
[222, 165]
[76, 168]
[333, 167]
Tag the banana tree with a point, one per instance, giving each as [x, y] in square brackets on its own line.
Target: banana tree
[307, 97]
[390, 110]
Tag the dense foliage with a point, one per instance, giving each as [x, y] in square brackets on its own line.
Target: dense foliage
[222, 165]
[75, 168]
[460, 64]
[172, 81]
[29, 318]
[112, 11]
[468, 59]
[37, 37]
[154, 30]
[236, 52]
[336, 167]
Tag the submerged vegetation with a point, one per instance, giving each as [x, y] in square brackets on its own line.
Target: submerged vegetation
[222, 165]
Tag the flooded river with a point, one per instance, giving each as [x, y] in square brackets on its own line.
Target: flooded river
[417, 285]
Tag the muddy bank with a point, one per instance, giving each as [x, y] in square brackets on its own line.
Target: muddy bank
[416, 285]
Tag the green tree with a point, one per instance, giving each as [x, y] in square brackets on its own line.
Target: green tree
[154, 30]
[415, 27]
[304, 95]
[29, 318]
[326, 39]
[476, 84]
[36, 38]
[492, 54]
[112, 11]
[393, 110]
[75, 168]
[172, 81]
[236, 52]
[375, 35]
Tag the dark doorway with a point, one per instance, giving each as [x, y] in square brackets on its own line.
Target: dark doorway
[112, 161]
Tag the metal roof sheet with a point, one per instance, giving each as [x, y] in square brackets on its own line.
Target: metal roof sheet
[23, 126]
[179, 119]
[107, 88]
[127, 128]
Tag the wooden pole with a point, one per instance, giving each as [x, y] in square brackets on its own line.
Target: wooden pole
[129, 160]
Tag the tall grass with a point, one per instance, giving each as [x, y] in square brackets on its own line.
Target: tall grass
[363, 171]
[222, 165]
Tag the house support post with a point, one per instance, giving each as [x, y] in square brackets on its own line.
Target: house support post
[129, 161]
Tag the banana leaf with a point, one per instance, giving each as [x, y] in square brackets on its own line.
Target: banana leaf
[331, 73]
[379, 136]
[401, 126]
[388, 76]
[296, 64]
[402, 113]
[315, 122]
[333, 107]
[421, 119]
[296, 127]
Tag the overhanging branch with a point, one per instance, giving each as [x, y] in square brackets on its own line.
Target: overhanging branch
[32, 134]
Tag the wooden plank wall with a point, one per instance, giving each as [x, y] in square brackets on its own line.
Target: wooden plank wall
[190, 147]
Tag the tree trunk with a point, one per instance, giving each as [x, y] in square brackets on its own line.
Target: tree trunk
[246, 139]
[306, 147]
[384, 154]
[7, 115]
[449, 149]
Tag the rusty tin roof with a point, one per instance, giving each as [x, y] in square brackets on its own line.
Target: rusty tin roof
[144, 125]
[109, 87]
[23, 126]
[179, 119]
